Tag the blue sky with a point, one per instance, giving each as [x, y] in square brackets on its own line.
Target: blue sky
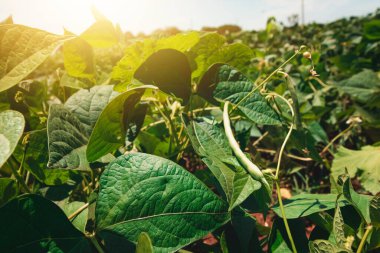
[147, 15]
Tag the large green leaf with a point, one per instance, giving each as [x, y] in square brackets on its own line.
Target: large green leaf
[31, 223]
[145, 193]
[363, 88]
[364, 163]
[324, 246]
[87, 105]
[136, 54]
[338, 228]
[211, 143]
[374, 211]
[22, 50]
[233, 86]
[372, 29]
[12, 125]
[169, 70]
[37, 157]
[237, 184]
[8, 190]
[210, 140]
[70, 126]
[78, 58]
[278, 238]
[212, 48]
[67, 140]
[360, 202]
[111, 127]
[305, 204]
[79, 220]
[101, 34]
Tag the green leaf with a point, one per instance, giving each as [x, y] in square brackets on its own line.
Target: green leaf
[37, 157]
[278, 238]
[80, 220]
[364, 163]
[363, 87]
[374, 211]
[211, 143]
[360, 202]
[11, 129]
[210, 140]
[87, 105]
[212, 48]
[31, 223]
[245, 235]
[114, 120]
[145, 193]
[237, 185]
[102, 34]
[137, 53]
[233, 86]
[305, 204]
[67, 140]
[78, 59]
[372, 29]
[338, 227]
[144, 244]
[324, 246]
[22, 50]
[70, 126]
[169, 70]
[73, 82]
[8, 190]
[208, 82]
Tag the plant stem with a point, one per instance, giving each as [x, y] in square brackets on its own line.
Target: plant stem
[276, 179]
[281, 205]
[335, 138]
[364, 239]
[78, 211]
[18, 176]
[95, 242]
[296, 106]
[268, 78]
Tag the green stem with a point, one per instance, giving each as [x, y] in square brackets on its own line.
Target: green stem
[288, 134]
[18, 176]
[276, 178]
[269, 77]
[335, 138]
[95, 242]
[282, 209]
[364, 239]
[252, 169]
[78, 211]
[296, 106]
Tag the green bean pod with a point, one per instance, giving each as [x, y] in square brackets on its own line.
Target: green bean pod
[252, 169]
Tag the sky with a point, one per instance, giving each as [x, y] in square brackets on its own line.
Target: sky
[148, 15]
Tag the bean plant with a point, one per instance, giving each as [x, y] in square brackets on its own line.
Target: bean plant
[190, 142]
